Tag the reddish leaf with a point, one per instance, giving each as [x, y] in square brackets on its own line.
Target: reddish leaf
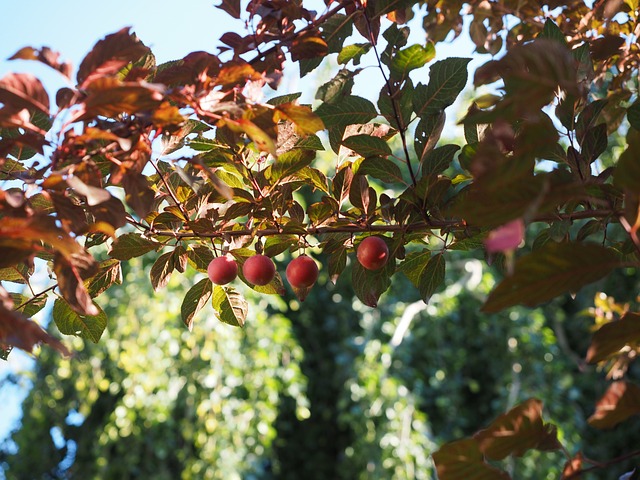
[572, 467]
[260, 138]
[549, 271]
[308, 45]
[18, 331]
[28, 233]
[71, 285]
[196, 298]
[110, 97]
[109, 272]
[302, 117]
[517, 431]
[109, 55]
[232, 7]
[22, 90]
[620, 401]
[462, 460]
[613, 336]
[139, 195]
[46, 56]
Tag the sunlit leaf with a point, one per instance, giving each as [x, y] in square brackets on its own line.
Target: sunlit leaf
[161, 270]
[411, 58]
[132, 245]
[194, 300]
[23, 90]
[109, 55]
[17, 331]
[69, 322]
[109, 273]
[230, 305]
[353, 52]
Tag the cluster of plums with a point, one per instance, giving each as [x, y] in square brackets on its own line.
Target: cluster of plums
[302, 272]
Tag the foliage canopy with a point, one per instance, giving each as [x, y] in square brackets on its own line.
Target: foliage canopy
[186, 159]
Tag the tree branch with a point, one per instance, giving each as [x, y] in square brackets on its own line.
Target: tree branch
[357, 228]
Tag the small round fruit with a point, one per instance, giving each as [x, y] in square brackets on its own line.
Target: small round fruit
[302, 272]
[222, 270]
[259, 270]
[373, 253]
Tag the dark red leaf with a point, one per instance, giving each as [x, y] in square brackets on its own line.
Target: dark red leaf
[109, 55]
[46, 56]
[22, 90]
[232, 7]
[17, 331]
[71, 285]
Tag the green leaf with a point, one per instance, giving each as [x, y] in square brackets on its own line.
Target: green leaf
[620, 401]
[353, 52]
[349, 110]
[194, 300]
[518, 430]
[70, 322]
[336, 88]
[613, 336]
[411, 58]
[462, 460]
[277, 244]
[552, 270]
[424, 271]
[381, 168]
[289, 163]
[627, 173]
[427, 134]
[161, 270]
[551, 31]
[439, 159]
[199, 257]
[28, 309]
[19, 273]
[369, 285]
[132, 245]
[109, 272]
[594, 143]
[447, 78]
[232, 308]
[633, 114]
[367, 145]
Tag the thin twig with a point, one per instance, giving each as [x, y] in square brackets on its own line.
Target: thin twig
[170, 191]
[402, 129]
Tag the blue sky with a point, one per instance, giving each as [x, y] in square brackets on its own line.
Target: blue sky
[171, 29]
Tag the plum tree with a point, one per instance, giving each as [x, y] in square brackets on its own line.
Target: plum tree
[373, 253]
[259, 269]
[302, 272]
[222, 270]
